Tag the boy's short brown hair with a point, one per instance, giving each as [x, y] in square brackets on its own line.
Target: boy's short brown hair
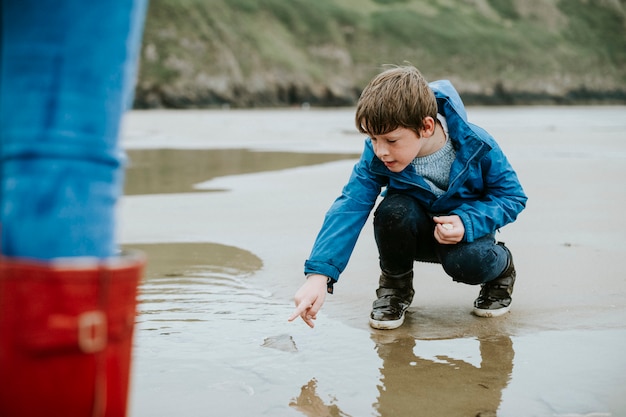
[397, 97]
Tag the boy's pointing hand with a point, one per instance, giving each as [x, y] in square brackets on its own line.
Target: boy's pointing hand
[309, 299]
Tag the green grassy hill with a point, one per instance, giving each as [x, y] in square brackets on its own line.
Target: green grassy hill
[256, 53]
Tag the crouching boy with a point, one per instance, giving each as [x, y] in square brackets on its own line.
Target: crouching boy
[448, 188]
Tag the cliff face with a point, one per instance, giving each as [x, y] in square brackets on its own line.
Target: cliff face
[258, 53]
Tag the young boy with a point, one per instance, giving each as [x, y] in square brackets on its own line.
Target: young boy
[449, 187]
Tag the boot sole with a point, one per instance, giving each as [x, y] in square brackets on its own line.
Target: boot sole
[491, 313]
[386, 324]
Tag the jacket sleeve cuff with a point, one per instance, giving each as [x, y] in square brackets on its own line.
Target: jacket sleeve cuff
[313, 267]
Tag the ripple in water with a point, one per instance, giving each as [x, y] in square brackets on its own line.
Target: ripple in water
[190, 282]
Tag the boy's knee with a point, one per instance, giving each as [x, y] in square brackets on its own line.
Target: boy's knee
[471, 268]
[397, 211]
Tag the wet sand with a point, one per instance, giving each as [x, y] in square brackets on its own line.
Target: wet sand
[227, 203]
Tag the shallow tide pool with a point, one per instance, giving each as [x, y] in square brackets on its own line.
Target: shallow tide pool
[226, 232]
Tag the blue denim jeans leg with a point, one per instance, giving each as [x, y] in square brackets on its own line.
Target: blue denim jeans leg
[67, 72]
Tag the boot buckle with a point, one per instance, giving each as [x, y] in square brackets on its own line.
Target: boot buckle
[92, 331]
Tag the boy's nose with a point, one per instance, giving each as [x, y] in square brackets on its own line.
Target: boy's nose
[380, 150]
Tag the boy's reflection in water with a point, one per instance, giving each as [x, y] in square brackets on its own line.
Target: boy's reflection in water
[310, 404]
[411, 386]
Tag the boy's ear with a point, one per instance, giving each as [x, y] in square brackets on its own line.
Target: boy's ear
[429, 126]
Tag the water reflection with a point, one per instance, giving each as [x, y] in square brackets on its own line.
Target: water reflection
[181, 279]
[166, 171]
[310, 404]
[413, 385]
[428, 378]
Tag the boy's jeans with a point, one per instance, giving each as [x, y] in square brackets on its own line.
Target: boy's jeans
[404, 233]
[67, 71]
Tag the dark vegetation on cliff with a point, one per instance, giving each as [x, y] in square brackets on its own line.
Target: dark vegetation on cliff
[263, 53]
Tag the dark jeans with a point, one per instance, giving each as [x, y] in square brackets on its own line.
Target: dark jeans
[404, 233]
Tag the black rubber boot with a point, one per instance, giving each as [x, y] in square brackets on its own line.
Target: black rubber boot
[495, 296]
[395, 293]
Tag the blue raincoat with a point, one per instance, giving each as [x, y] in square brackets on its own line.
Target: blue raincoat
[484, 190]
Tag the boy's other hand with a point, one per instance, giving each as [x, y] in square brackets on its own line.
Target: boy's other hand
[309, 299]
[449, 229]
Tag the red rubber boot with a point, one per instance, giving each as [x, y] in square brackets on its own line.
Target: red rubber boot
[66, 331]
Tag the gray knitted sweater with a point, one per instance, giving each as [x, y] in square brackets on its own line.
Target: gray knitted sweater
[435, 168]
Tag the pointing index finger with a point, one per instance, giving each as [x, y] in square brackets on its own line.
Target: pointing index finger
[301, 308]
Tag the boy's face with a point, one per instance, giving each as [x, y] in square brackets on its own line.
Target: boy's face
[396, 149]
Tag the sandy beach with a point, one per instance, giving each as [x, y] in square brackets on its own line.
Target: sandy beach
[227, 203]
